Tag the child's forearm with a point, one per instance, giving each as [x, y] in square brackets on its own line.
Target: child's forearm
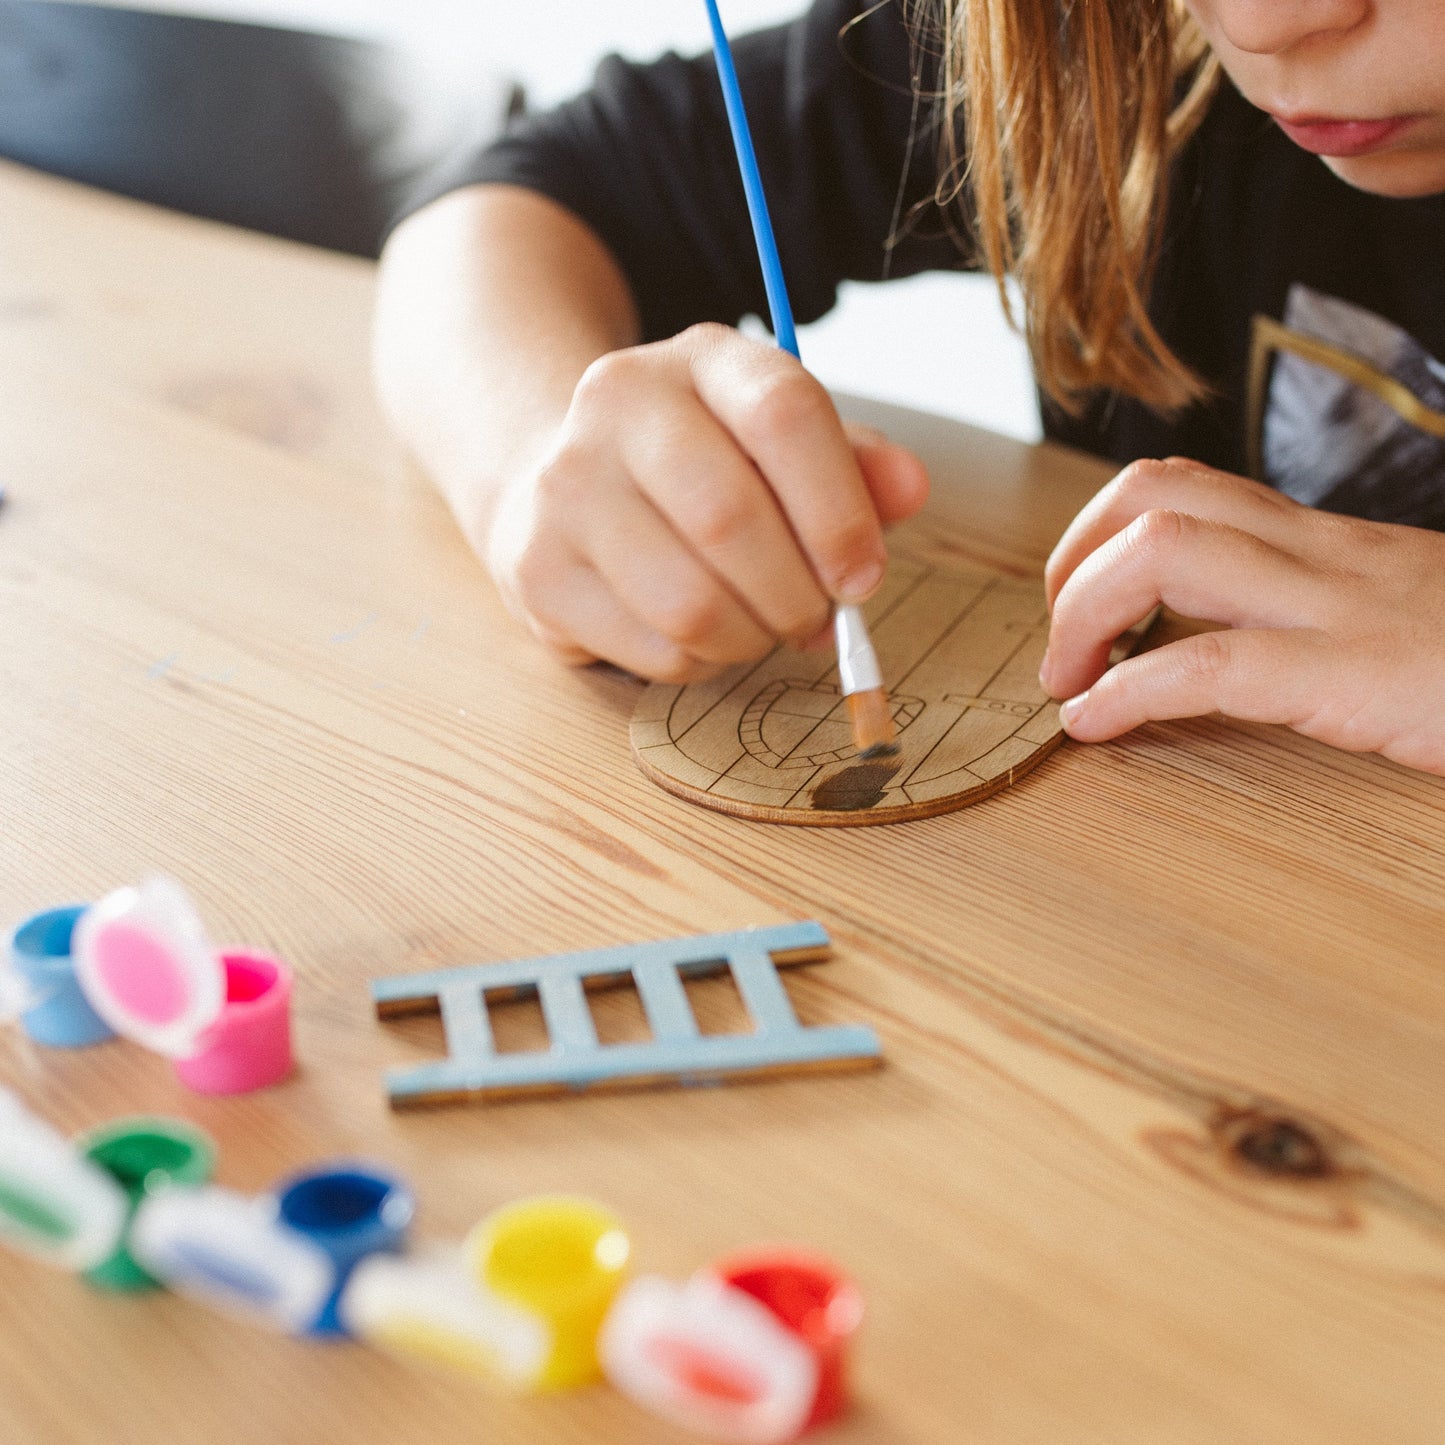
[493, 301]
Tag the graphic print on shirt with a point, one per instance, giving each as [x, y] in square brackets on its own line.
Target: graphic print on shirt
[1355, 416]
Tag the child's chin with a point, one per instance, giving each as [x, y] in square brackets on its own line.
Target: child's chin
[1400, 175]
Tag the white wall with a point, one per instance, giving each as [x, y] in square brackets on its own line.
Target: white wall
[937, 342]
[553, 44]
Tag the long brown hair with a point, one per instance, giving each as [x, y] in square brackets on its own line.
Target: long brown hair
[1059, 120]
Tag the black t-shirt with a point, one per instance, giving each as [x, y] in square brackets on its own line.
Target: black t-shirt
[846, 127]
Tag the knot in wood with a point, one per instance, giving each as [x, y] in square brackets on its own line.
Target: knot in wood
[1274, 1144]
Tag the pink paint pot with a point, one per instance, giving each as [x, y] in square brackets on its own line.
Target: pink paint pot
[249, 1044]
[148, 969]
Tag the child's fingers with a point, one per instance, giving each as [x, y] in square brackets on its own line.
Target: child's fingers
[1201, 569]
[1273, 676]
[586, 622]
[1176, 486]
[785, 421]
[664, 585]
[691, 471]
[896, 478]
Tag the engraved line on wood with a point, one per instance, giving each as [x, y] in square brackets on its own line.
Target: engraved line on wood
[707, 712]
[924, 573]
[850, 818]
[938, 743]
[948, 632]
[752, 721]
[1027, 637]
[749, 759]
[821, 761]
[906, 711]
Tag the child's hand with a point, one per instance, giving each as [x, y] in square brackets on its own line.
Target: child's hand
[702, 500]
[1339, 624]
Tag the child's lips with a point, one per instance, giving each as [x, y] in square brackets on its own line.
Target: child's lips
[1338, 137]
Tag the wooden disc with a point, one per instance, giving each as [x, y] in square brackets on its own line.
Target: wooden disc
[960, 648]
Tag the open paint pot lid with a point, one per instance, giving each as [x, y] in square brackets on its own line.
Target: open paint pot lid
[710, 1358]
[148, 969]
[231, 1251]
[431, 1306]
[54, 1203]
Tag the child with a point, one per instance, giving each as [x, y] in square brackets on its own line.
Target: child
[649, 487]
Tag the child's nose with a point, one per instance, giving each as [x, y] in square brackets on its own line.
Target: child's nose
[1270, 27]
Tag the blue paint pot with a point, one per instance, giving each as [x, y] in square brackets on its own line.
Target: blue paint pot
[59, 1013]
[349, 1212]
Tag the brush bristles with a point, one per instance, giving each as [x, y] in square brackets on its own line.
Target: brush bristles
[872, 717]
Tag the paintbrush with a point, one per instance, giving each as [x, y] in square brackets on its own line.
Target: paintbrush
[869, 711]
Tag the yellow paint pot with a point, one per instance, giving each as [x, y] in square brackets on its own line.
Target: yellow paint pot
[561, 1259]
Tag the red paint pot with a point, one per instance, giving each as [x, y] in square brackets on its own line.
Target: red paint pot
[815, 1301]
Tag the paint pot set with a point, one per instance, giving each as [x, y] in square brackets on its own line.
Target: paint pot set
[752, 1348]
[131, 1206]
[537, 1297]
[139, 964]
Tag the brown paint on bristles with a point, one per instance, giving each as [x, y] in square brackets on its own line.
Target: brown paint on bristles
[871, 714]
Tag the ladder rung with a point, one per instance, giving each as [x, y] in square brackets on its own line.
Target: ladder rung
[762, 992]
[713, 1057]
[569, 1020]
[464, 1017]
[665, 1001]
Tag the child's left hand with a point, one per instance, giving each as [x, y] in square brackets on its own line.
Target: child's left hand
[1338, 624]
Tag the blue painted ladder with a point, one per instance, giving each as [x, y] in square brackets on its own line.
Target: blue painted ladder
[677, 1052]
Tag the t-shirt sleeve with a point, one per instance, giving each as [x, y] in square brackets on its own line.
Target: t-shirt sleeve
[839, 104]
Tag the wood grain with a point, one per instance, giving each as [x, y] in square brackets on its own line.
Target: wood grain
[1156, 1154]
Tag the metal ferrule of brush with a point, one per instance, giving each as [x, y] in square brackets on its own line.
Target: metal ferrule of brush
[857, 662]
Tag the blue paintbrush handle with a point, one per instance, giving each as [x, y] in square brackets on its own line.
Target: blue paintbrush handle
[858, 664]
[782, 312]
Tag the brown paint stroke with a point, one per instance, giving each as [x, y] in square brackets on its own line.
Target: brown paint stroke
[861, 786]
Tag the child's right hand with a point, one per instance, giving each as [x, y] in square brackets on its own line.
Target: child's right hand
[702, 500]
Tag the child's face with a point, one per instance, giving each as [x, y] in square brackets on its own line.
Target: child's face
[1359, 82]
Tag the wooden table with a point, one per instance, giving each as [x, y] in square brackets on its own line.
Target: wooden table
[1156, 1154]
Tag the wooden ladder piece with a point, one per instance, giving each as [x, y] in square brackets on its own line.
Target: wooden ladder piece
[677, 1053]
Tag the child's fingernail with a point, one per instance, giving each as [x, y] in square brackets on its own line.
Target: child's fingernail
[1073, 710]
[860, 585]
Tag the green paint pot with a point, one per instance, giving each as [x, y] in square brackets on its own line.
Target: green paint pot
[144, 1156]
